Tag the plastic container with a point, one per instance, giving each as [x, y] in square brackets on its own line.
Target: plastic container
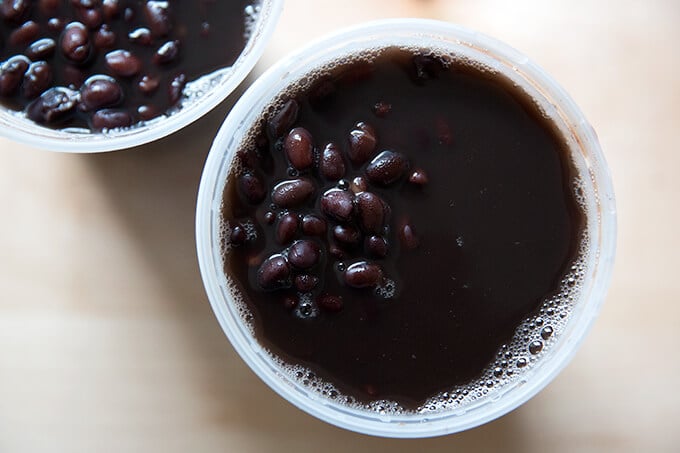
[214, 89]
[598, 195]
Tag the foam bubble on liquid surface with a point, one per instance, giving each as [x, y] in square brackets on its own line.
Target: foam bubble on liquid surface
[534, 338]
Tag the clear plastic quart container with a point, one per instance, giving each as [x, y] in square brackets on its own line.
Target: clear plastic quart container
[598, 205]
[200, 96]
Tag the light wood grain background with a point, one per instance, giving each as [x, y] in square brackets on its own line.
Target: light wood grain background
[107, 341]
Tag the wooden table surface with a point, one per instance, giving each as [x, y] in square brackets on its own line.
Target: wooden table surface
[108, 343]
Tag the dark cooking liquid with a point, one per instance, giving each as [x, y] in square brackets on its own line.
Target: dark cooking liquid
[473, 245]
[193, 38]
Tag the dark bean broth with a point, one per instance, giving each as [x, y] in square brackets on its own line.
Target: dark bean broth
[479, 227]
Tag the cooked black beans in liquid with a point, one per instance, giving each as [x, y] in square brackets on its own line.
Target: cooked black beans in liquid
[451, 185]
[140, 53]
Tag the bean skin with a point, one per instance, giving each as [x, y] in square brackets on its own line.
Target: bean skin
[176, 88]
[252, 188]
[371, 212]
[167, 53]
[299, 148]
[387, 167]
[363, 275]
[287, 228]
[100, 91]
[313, 225]
[157, 17]
[362, 143]
[75, 42]
[12, 73]
[347, 235]
[123, 63]
[304, 254]
[37, 79]
[274, 273]
[331, 163]
[376, 246]
[53, 105]
[418, 177]
[338, 204]
[111, 119]
[282, 120]
[24, 34]
[291, 193]
[41, 49]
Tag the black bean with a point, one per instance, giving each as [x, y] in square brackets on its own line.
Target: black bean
[330, 302]
[338, 204]
[24, 34]
[238, 235]
[346, 235]
[176, 88]
[123, 63]
[305, 282]
[299, 148]
[287, 228]
[149, 83]
[141, 36]
[358, 185]
[282, 120]
[111, 119]
[269, 217]
[407, 236]
[38, 78]
[158, 17]
[362, 143]
[110, 8]
[418, 177]
[363, 274]
[304, 254]
[104, 38]
[387, 167]
[166, 53]
[13, 10]
[41, 49]
[274, 273]
[99, 91]
[129, 15]
[84, 3]
[313, 225]
[331, 163]
[91, 17]
[252, 188]
[376, 246]
[75, 42]
[147, 112]
[12, 73]
[291, 193]
[56, 24]
[370, 211]
[53, 105]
